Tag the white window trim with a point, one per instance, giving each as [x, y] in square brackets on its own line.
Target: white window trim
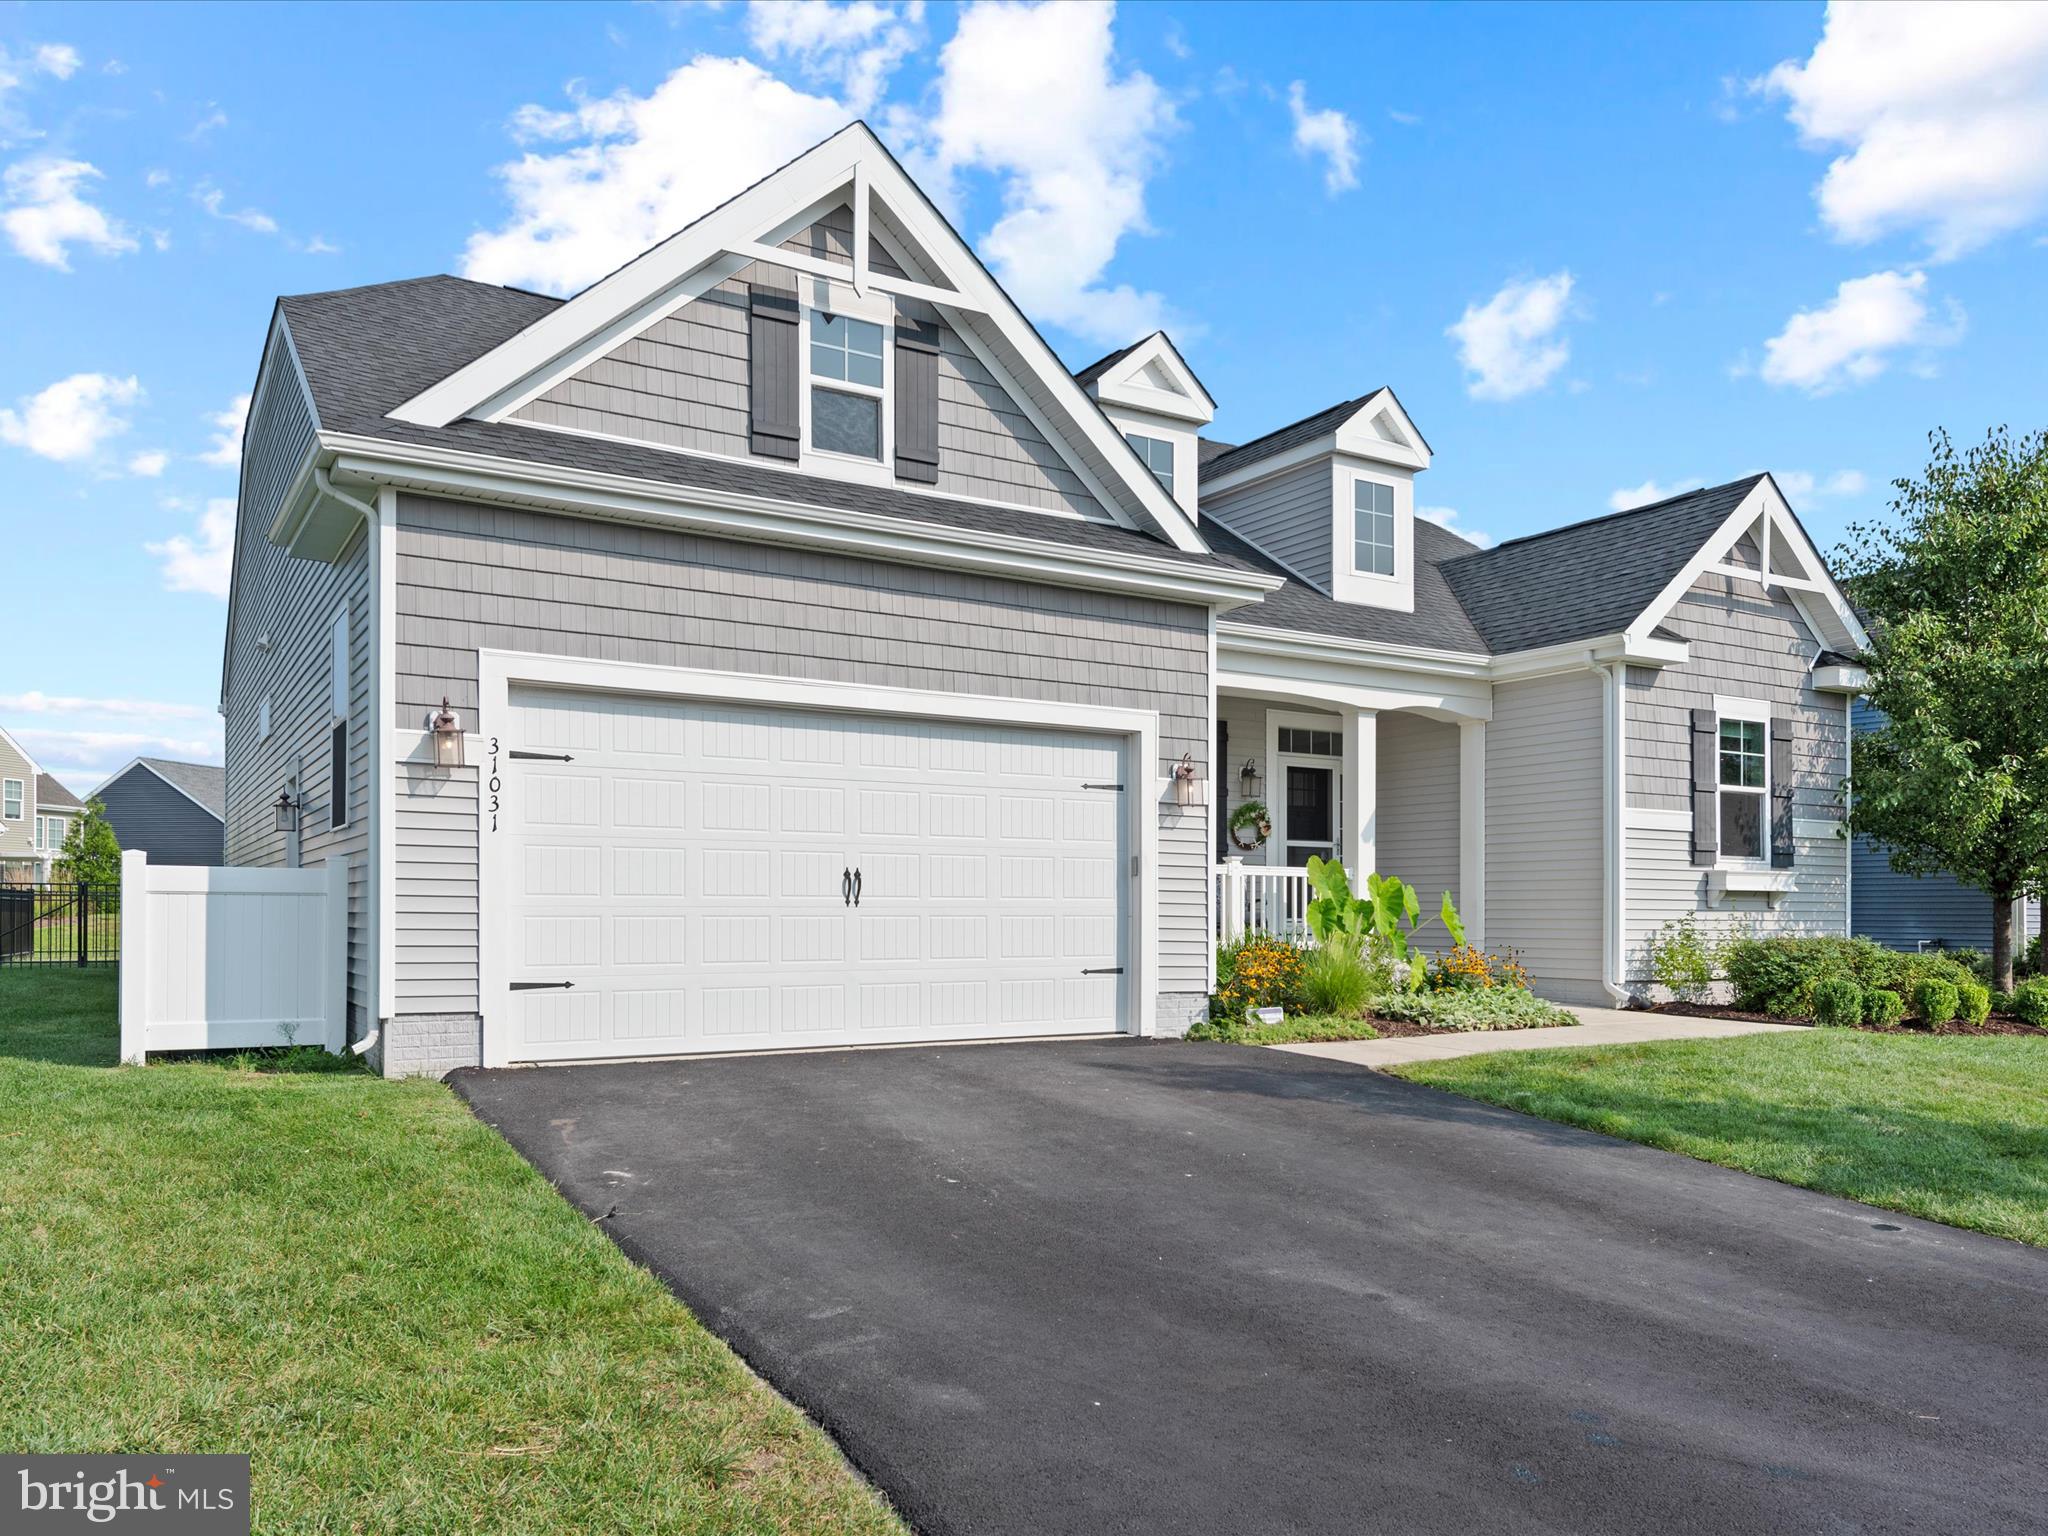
[1394, 531]
[263, 718]
[1395, 592]
[42, 832]
[1749, 712]
[875, 311]
[15, 792]
[1134, 438]
[339, 664]
[1277, 764]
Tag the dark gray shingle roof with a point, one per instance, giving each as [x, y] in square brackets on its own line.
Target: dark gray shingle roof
[1102, 365]
[1437, 622]
[368, 350]
[52, 796]
[1591, 578]
[205, 782]
[1280, 439]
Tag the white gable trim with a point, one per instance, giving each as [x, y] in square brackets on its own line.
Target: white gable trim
[1819, 600]
[34, 767]
[1354, 435]
[743, 229]
[1124, 384]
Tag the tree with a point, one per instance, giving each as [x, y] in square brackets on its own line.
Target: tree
[92, 853]
[1955, 587]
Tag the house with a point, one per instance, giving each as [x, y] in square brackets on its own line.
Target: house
[820, 662]
[1918, 911]
[36, 813]
[173, 811]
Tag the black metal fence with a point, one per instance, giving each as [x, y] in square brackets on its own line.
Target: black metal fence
[60, 922]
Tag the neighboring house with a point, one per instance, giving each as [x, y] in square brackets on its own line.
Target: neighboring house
[36, 813]
[835, 667]
[175, 812]
[1917, 911]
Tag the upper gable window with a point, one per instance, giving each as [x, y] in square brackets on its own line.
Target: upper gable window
[1372, 528]
[11, 808]
[1157, 454]
[848, 385]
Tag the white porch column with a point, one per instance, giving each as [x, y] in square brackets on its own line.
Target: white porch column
[1359, 851]
[1472, 829]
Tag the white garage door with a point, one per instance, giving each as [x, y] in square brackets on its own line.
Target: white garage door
[707, 877]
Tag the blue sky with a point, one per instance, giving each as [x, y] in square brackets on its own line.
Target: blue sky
[1599, 252]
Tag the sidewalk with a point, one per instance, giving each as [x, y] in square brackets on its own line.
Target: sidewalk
[1601, 1026]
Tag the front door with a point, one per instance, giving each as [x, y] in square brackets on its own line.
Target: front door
[1311, 826]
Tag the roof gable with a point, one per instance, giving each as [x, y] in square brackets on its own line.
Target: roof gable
[52, 796]
[1150, 375]
[1373, 425]
[851, 167]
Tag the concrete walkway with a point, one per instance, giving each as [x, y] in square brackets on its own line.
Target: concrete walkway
[1600, 1026]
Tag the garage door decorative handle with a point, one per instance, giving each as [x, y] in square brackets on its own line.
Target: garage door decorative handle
[856, 887]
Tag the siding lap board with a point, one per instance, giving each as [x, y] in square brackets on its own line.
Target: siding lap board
[1286, 515]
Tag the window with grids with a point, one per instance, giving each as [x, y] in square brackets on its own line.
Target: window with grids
[847, 388]
[1303, 742]
[1744, 786]
[1372, 528]
[10, 799]
[1157, 453]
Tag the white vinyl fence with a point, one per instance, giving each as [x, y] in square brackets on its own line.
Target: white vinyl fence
[214, 958]
[1261, 898]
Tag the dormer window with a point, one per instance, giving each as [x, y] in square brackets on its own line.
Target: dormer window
[848, 386]
[1372, 528]
[1157, 455]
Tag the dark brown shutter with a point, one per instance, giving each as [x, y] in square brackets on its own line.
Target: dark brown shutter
[1781, 792]
[917, 401]
[1706, 832]
[773, 372]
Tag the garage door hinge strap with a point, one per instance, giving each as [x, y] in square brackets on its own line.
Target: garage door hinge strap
[1105, 970]
[1102, 786]
[544, 757]
[540, 986]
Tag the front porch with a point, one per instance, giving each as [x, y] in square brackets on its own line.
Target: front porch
[1399, 788]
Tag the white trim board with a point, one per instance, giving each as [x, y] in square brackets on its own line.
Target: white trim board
[498, 671]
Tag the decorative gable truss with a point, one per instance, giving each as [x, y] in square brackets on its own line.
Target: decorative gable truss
[840, 233]
[1762, 541]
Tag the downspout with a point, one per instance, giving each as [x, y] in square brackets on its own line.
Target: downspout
[1615, 840]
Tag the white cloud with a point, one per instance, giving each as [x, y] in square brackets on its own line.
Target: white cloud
[1511, 344]
[204, 560]
[213, 200]
[853, 48]
[47, 213]
[1030, 94]
[641, 167]
[1803, 485]
[1447, 517]
[69, 420]
[1941, 111]
[211, 119]
[37, 703]
[1649, 491]
[59, 59]
[1849, 339]
[82, 740]
[149, 464]
[1325, 133]
[228, 426]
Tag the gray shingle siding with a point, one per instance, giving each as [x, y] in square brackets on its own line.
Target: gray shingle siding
[1287, 516]
[149, 814]
[471, 577]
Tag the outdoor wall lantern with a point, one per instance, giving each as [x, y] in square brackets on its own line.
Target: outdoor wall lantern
[446, 727]
[1187, 789]
[1248, 778]
[287, 810]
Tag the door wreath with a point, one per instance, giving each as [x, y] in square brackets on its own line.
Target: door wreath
[1254, 818]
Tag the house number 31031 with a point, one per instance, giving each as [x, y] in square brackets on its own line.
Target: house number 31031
[496, 784]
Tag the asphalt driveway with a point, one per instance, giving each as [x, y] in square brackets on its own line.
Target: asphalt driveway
[1114, 1287]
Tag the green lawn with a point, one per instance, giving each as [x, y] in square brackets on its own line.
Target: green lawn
[367, 1289]
[1951, 1128]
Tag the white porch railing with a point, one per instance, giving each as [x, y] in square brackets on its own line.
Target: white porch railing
[1261, 898]
[214, 957]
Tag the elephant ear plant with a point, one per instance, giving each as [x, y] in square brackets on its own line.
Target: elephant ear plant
[1385, 919]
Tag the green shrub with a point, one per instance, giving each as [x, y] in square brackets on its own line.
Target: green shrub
[1883, 1007]
[1936, 1001]
[1468, 1009]
[1683, 960]
[1259, 971]
[1837, 1000]
[1777, 976]
[2030, 1002]
[1973, 1001]
[1334, 978]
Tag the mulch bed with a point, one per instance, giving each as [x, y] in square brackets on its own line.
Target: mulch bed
[1402, 1029]
[1997, 1024]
